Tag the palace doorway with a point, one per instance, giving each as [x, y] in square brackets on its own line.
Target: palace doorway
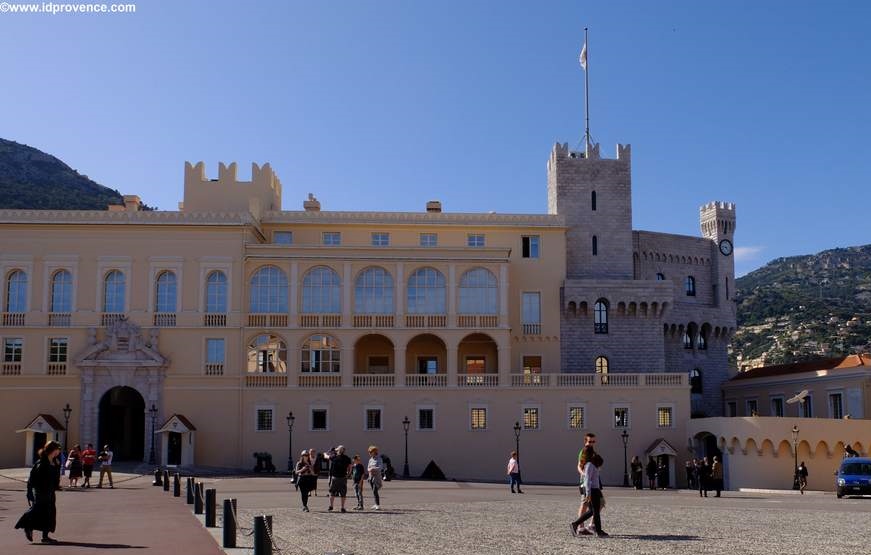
[122, 423]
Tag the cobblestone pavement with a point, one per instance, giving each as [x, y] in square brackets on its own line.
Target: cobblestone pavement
[453, 518]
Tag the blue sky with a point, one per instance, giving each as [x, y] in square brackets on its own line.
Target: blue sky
[385, 105]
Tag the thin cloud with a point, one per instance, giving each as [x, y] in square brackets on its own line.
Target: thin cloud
[744, 254]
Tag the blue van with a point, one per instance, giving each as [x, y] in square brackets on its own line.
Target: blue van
[853, 477]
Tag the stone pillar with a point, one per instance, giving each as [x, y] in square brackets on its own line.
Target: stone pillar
[452, 365]
[292, 303]
[504, 364]
[347, 284]
[503, 295]
[399, 301]
[452, 296]
[399, 365]
[348, 366]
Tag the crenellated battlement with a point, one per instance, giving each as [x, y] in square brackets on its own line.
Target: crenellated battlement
[717, 219]
[561, 152]
[717, 205]
[227, 192]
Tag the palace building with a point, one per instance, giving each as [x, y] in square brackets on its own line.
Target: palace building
[192, 334]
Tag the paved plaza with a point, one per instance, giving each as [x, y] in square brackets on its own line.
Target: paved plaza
[449, 518]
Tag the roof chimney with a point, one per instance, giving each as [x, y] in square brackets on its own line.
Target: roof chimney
[434, 206]
[312, 204]
[132, 203]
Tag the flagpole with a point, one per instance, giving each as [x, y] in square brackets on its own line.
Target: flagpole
[586, 94]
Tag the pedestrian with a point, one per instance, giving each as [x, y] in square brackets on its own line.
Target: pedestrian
[704, 472]
[584, 455]
[105, 459]
[340, 469]
[850, 452]
[513, 472]
[74, 465]
[358, 476]
[593, 485]
[651, 472]
[375, 469]
[305, 478]
[662, 474]
[691, 474]
[717, 475]
[802, 477]
[89, 458]
[316, 461]
[637, 472]
[44, 480]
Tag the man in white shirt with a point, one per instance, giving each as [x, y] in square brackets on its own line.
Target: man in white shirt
[593, 487]
[106, 466]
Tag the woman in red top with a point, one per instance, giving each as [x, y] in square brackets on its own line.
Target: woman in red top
[89, 458]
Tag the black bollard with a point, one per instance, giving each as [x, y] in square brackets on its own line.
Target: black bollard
[176, 485]
[190, 490]
[229, 523]
[210, 507]
[157, 478]
[198, 498]
[166, 480]
[262, 543]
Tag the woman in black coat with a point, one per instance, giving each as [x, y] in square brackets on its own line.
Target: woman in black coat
[44, 480]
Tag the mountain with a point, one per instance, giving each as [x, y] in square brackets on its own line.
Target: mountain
[803, 307]
[30, 178]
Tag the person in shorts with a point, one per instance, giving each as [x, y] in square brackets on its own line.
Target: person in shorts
[105, 459]
[340, 469]
[89, 458]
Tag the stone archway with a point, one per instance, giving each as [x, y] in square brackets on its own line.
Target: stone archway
[122, 423]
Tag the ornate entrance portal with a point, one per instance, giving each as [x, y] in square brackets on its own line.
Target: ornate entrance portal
[122, 423]
[122, 376]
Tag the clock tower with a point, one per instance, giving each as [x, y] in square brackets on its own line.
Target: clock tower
[717, 220]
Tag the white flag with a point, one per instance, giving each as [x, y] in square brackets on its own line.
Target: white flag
[583, 57]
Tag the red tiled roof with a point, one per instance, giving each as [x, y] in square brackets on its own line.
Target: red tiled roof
[850, 361]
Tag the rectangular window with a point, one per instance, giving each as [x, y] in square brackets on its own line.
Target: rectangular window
[429, 240]
[319, 419]
[425, 419]
[264, 420]
[732, 409]
[663, 417]
[576, 418]
[777, 406]
[373, 419]
[531, 308]
[380, 239]
[530, 418]
[836, 407]
[12, 349]
[752, 408]
[479, 419]
[475, 240]
[332, 238]
[531, 364]
[427, 365]
[621, 417]
[806, 408]
[530, 246]
[57, 349]
[214, 351]
[282, 237]
[476, 365]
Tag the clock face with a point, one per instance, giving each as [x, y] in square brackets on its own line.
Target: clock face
[726, 247]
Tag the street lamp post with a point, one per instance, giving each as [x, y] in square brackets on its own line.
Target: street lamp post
[795, 484]
[517, 439]
[67, 412]
[625, 437]
[153, 412]
[405, 425]
[290, 419]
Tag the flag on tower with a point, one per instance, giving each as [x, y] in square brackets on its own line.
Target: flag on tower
[583, 57]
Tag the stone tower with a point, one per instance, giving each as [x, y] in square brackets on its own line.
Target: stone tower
[717, 220]
[595, 197]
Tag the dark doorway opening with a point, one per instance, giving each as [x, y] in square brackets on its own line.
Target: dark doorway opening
[663, 471]
[38, 443]
[173, 451]
[122, 423]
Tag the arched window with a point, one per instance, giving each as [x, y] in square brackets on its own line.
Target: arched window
[478, 292]
[165, 290]
[373, 292]
[321, 353]
[321, 291]
[426, 292]
[702, 340]
[593, 200]
[216, 293]
[695, 380]
[660, 276]
[595, 245]
[16, 292]
[61, 292]
[601, 365]
[600, 316]
[687, 339]
[690, 285]
[267, 353]
[114, 290]
[268, 291]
